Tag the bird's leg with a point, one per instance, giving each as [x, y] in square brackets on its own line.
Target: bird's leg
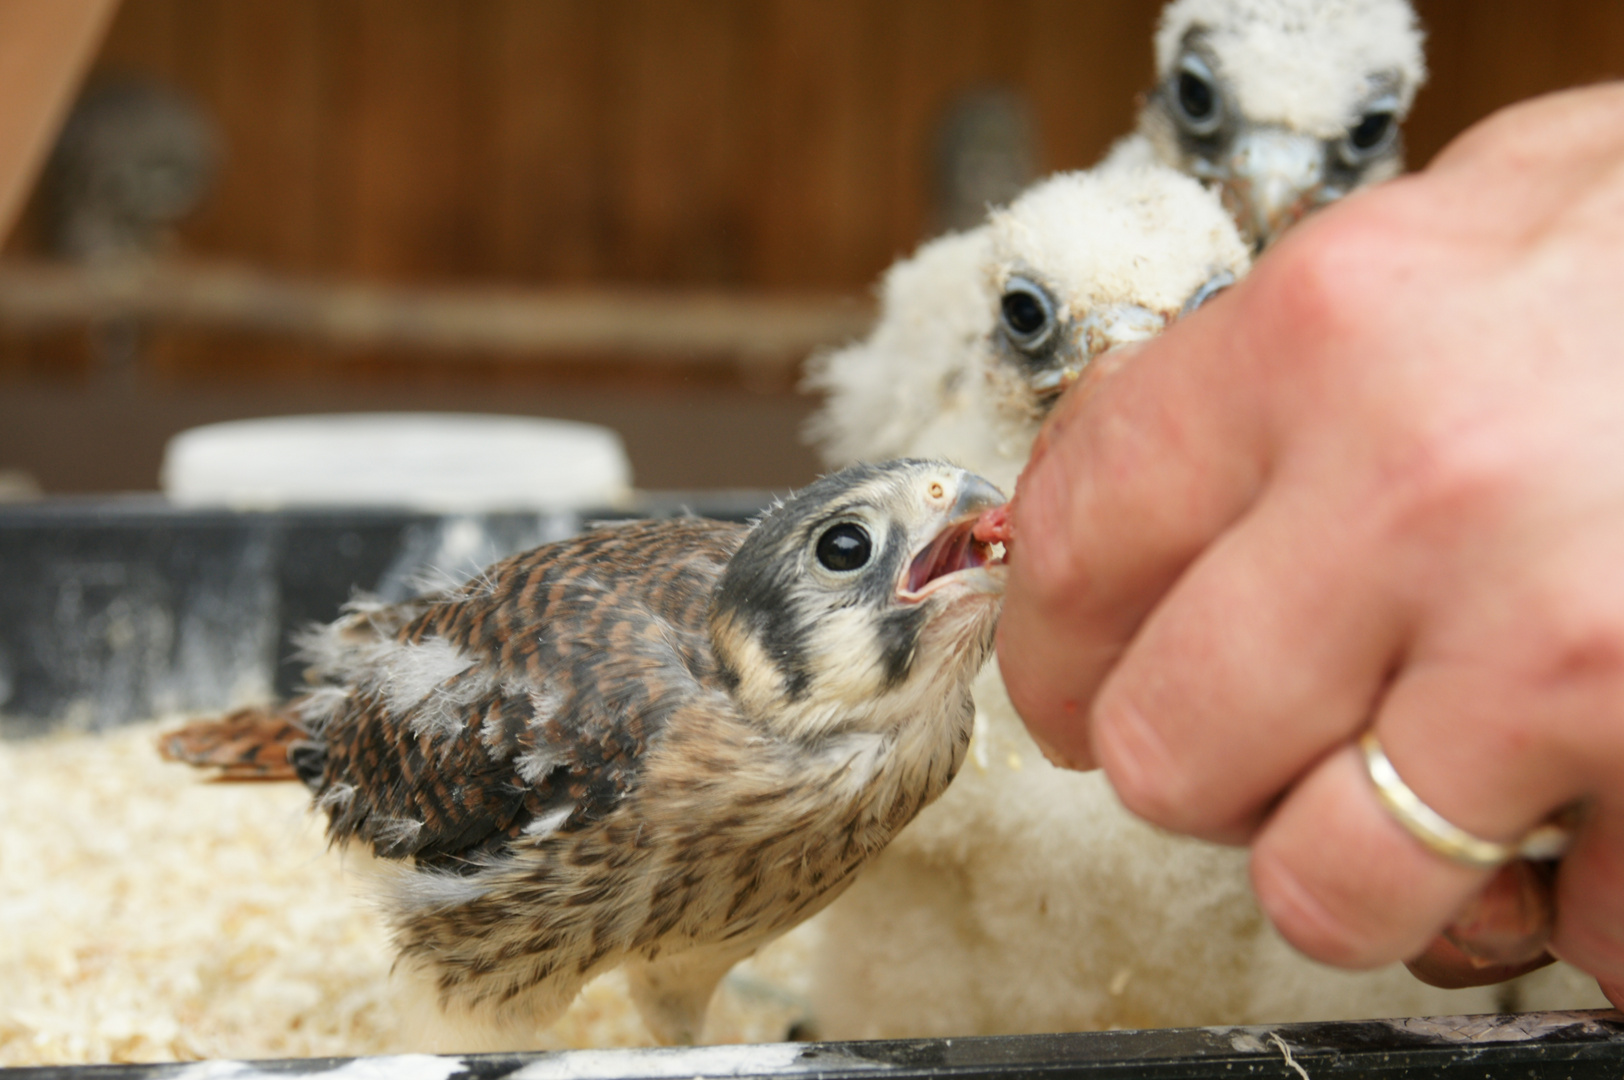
[434, 1022]
[673, 992]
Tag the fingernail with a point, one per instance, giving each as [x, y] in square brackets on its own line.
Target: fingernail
[1444, 965]
[1510, 920]
[1135, 747]
[1614, 992]
[1301, 918]
[1055, 757]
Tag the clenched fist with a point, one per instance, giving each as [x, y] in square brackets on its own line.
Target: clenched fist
[1379, 485]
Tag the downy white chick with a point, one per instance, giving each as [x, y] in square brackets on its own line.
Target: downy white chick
[1283, 105]
[981, 331]
[1027, 899]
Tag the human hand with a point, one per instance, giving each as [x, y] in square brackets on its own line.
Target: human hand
[1378, 483]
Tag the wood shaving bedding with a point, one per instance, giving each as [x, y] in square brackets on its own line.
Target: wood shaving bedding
[148, 915]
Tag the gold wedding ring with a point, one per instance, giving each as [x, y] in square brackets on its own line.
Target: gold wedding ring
[1441, 835]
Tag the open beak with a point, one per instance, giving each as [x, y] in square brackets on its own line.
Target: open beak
[978, 520]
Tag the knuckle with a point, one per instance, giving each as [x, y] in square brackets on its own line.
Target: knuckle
[1063, 571]
[1308, 282]
[1320, 285]
[1151, 800]
[1577, 635]
[1442, 484]
[1052, 560]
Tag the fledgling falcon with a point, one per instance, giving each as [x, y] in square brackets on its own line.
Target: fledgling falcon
[1282, 105]
[658, 744]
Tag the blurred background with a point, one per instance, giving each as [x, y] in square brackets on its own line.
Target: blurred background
[639, 213]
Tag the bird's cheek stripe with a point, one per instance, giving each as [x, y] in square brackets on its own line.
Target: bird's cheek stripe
[899, 642]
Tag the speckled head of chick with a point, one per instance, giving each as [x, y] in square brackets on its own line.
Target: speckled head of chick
[844, 602]
[1285, 105]
[657, 744]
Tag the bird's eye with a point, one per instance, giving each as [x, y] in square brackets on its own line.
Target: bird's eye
[845, 547]
[1195, 96]
[1210, 288]
[1028, 314]
[1371, 136]
[1371, 130]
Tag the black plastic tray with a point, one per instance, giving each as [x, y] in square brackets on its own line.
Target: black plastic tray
[115, 610]
[1553, 1045]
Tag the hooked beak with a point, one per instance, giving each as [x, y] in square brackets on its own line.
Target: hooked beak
[1099, 332]
[1210, 288]
[976, 521]
[1273, 177]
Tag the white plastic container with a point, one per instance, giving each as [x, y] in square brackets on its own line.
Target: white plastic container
[439, 462]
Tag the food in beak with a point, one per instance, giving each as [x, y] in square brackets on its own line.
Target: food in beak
[995, 526]
[962, 546]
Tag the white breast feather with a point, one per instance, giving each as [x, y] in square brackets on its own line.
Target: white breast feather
[909, 369]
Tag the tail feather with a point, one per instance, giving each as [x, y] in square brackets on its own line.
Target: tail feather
[249, 744]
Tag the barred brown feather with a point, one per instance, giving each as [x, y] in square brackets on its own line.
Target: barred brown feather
[248, 744]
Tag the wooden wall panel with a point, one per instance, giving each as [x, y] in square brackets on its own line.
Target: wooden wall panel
[260, 67]
[827, 118]
[1087, 65]
[677, 136]
[752, 144]
[537, 165]
[782, 143]
[1486, 54]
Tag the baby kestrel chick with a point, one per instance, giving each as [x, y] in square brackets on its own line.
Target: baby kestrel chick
[1282, 105]
[980, 332]
[658, 744]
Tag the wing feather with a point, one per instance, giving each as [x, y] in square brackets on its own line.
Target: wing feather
[456, 721]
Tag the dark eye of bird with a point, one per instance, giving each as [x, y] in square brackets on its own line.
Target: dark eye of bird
[1196, 102]
[1195, 96]
[1028, 314]
[1370, 132]
[1023, 312]
[845, 547]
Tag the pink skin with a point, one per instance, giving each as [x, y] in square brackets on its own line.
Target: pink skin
[995, 526]
[1380, 482]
